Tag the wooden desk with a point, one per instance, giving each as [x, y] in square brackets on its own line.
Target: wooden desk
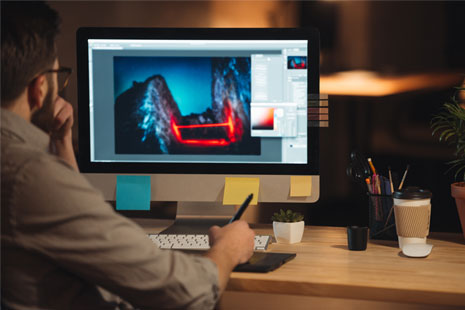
[324, 267]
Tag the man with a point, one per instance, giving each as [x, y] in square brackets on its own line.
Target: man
[63, 247]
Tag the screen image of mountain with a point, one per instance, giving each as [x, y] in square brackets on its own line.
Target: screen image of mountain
[297, 62]
[183, 105]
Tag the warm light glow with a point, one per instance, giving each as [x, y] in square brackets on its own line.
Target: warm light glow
[259, 14]
[368, 83]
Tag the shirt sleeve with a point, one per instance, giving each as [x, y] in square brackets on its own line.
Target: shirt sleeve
[61, 216]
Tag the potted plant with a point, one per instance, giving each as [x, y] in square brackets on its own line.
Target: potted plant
[449, 123]
[288, 227]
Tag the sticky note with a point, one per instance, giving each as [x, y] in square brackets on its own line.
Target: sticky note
[133, 192]
[301, 186]
[236, 190]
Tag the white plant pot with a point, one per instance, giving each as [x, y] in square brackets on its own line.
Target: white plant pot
[288, 232]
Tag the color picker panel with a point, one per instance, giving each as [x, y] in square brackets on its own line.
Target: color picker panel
[263, 118]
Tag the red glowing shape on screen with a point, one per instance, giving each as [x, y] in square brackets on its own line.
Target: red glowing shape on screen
[233, 131]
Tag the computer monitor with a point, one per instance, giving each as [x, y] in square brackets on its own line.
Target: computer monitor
[191, 106]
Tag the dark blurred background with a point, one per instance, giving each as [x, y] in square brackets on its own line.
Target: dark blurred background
[387, 67]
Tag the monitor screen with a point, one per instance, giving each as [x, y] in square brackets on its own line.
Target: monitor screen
[197, 100]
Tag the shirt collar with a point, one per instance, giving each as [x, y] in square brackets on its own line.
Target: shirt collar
[14, 125]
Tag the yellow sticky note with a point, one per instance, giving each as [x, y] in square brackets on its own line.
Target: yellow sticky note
[301, 186]
[236, 190]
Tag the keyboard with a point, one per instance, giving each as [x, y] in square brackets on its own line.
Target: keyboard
[198, 242]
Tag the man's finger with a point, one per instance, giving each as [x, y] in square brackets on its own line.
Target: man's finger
[64, 114]
[212, 232]
[58, 106]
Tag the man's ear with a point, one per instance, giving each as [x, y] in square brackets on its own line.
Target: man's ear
[36, 92]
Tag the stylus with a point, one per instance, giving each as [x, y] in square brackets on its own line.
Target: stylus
[242, 208]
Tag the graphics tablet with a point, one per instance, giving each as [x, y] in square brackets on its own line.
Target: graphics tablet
[264, 262]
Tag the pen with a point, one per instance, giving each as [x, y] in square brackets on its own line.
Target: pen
[242, 208]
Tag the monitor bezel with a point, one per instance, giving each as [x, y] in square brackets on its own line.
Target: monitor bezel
[86, 33]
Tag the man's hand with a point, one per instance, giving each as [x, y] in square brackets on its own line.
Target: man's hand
[231, 245]
[236, 238]
[62, 121]
[61, 136]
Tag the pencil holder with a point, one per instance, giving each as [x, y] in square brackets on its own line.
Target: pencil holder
[381, 217]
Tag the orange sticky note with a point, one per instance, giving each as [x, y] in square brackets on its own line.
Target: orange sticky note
[236, 190]
[301, 186]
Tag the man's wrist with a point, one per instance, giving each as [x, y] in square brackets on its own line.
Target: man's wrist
[225, 264]
[63, 148]
[227, 259]
[66, 140]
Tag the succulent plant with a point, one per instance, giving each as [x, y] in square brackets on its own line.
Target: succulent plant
[449, 123]
[287, 217]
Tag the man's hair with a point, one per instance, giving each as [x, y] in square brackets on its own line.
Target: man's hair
[28, 33]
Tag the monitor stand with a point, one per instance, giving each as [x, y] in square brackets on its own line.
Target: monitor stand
[198, 217]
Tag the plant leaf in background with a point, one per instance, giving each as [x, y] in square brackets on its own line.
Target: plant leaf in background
[449, 123]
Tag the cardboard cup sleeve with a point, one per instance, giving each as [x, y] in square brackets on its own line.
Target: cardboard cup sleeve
[412, 222]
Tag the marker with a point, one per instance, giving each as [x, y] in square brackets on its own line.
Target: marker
[367, 181]
[242, 208]
[378, 185]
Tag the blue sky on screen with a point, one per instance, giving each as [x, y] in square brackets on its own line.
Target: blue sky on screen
[189, 78]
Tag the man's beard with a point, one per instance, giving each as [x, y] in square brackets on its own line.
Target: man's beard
[43, 118]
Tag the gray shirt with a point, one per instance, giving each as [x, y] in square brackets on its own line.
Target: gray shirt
[64, 247]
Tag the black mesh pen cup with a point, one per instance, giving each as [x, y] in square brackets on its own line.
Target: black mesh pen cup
[381, 217]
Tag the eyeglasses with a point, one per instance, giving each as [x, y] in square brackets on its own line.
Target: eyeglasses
[63, 74]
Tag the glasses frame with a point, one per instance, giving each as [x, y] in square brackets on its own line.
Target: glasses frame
[66, 70]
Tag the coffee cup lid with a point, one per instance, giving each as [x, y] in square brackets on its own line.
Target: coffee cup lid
[412, 192]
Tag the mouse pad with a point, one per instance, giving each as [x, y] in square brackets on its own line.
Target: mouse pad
[259, 262]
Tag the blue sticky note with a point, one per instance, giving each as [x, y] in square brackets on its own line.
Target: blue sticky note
[133, 192]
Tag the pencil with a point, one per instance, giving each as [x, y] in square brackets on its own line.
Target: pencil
[371, 165]
[389, 216]
[403, 178]
[390, 180]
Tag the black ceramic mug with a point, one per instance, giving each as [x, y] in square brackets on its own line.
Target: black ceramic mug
[357, 238]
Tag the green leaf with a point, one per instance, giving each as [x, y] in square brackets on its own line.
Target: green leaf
[449, 125]
[287, 216]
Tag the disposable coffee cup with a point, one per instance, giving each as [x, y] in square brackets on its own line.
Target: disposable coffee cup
[412, 210]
